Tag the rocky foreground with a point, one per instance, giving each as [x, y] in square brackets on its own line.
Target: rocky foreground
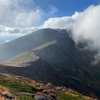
[19, 88]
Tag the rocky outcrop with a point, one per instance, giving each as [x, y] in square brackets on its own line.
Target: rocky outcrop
[40, 91]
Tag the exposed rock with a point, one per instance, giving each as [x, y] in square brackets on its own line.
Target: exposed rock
[39, 97]
[49, 86]
[41, 91]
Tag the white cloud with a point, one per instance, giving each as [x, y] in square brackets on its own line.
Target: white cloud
[21, 16]
[28, 19]
[62, 23]
[4, 30]
[22, 13]
[87, 24]
[87, 28]
[16, 30]
[19, 13]
[53, 10]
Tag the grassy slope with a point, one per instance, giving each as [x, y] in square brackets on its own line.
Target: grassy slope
[45, 45]
[29, 56]
[17, 88]
[24, 57]
[70, 97]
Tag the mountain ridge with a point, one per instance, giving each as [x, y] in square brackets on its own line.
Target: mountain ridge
[60, 62]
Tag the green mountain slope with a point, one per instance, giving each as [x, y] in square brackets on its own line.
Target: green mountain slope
[23, 57]
[29, 56]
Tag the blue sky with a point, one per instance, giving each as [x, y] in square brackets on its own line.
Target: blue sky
[66, 7]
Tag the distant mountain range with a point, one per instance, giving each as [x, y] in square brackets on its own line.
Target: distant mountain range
[50, 55]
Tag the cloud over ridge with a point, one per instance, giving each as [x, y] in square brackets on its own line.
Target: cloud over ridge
[85, 26]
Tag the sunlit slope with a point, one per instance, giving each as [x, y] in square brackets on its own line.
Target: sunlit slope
[23, 57]
[29, 56]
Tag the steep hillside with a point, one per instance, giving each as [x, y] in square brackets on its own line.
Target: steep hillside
[60, 61]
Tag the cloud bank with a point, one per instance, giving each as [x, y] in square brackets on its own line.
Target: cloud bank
[16, 30]
[21, 16]
[19, 13]
[62, 23]
[85, 26]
